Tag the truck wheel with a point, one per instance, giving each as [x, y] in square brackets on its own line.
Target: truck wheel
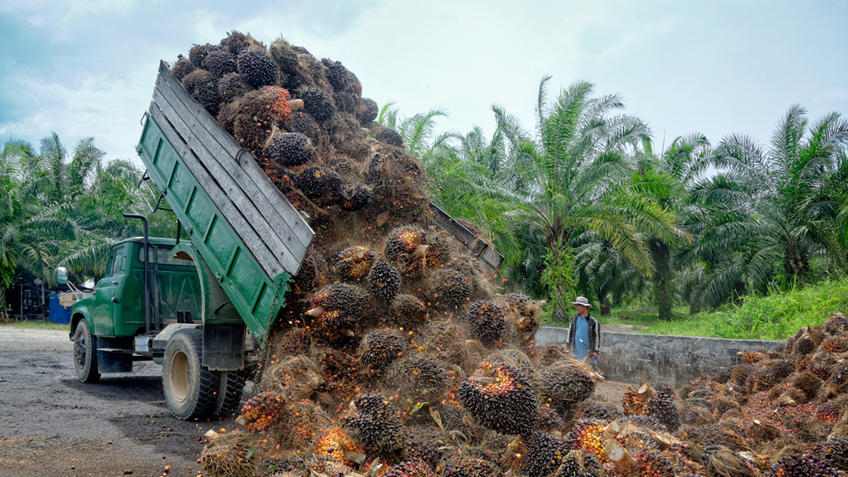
[85, 354]
[229, 393]
[189, 387]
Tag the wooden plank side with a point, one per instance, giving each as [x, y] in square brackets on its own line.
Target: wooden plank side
[215, 157]
[216, 173]
[479, 248]
[253, 172]
[263, 255]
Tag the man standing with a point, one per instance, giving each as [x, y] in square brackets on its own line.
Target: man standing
[584, 333]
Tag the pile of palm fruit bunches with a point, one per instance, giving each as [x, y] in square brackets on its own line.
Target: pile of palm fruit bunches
[396, 357]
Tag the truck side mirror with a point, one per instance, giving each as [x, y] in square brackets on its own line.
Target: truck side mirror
[62, 275]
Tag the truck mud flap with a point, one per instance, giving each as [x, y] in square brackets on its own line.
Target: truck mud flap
[223, 346]
[117, 361]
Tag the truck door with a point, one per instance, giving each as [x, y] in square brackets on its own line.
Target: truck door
[107, 293]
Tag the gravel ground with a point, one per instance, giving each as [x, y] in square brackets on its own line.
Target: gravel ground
[53, 425]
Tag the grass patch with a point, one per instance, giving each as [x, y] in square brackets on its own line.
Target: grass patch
[779, 316]
[36, 324]
[775, 317]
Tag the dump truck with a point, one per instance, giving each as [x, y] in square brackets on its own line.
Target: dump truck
[203, 307]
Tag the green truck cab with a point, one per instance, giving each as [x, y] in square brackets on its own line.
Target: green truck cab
[115, 311]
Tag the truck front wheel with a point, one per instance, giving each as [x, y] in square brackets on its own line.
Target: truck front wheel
[85, 354]
[189, 387]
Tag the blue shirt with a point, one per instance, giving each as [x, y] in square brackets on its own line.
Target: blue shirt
[581, 339]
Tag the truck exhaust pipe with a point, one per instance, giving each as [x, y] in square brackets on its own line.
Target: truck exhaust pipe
[146, 242]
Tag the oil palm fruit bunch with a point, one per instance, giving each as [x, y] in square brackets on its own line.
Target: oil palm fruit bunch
[500, 398]
[319, 183]
[425, 444]
[579, 463]
[256, 67]
[337, 307]
[263, 110]
[334, 443]
[449, 290]
[371, 421]
[324, 465]
[198, 53]
[183, 67]
[409, 309]
[384, 281]
[219, 61]
[407, 245]
[367, 111]
[654, 464]
[412, 468]
[228, 455]
[486, 322]
[353, 197]
[354, 262]
[459, 466]
[236, 41]
[588, 434]
[834, 451]
[318, 103]
[231, 86]
[284, 56]
[548, 420]
[662, 407]
[802, 465]
[646, 401]
[545, 454]
[290, 149]
[261, 411]
[565, 386]
[421, 375]
[381, 347]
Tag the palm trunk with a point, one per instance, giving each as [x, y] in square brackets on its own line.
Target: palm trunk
[663, 293]
[559, 276]
[3, 314]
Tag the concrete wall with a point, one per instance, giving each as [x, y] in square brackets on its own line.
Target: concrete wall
[676, 360]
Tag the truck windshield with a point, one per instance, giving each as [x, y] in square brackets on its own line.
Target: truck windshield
[163, 256]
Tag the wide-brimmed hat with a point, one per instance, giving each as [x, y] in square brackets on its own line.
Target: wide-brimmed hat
[581, 300]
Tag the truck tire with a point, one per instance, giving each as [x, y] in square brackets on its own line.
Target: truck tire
[85, 354]
[229, 393]
[189, 387]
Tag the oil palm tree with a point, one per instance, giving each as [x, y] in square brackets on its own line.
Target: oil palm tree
[768, 212]
[684, 162]
[31, 232]
[574, 175]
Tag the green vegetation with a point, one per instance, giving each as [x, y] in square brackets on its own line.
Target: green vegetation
[774, 317]
[61, 209]
[35, 324]
[584, 205]
[779, 316]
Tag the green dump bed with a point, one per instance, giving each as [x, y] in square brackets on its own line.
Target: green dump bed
[248, 233]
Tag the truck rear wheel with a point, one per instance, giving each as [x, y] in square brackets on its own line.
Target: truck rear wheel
[229, 393]
[189, 387]
[85, 354]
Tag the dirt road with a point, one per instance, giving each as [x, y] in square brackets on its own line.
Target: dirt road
[53, 425]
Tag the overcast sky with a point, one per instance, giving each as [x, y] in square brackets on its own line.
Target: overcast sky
[86, 68]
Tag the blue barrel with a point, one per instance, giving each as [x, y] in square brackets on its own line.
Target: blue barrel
[58, 313]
